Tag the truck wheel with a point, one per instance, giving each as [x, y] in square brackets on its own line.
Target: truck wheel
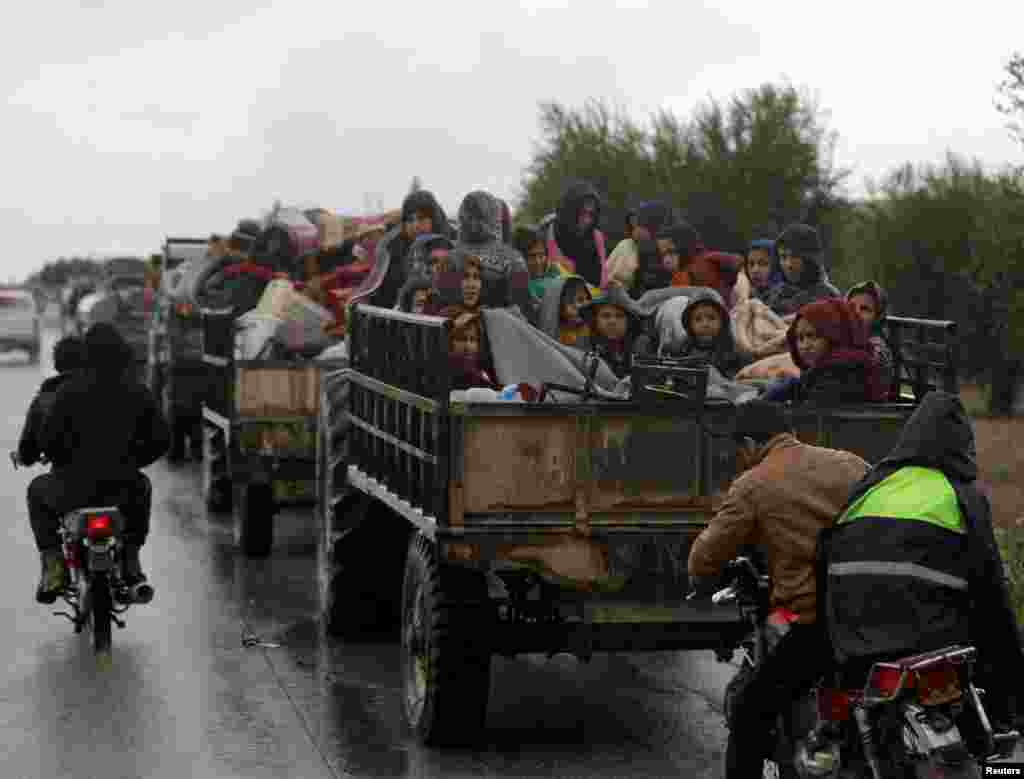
[446, 662]
[254, 518]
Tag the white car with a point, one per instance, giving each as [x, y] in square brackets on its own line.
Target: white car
[19, 323]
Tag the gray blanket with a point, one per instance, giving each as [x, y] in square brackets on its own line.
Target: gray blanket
[522, 353]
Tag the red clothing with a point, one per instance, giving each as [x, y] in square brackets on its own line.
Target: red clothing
[850, 342]
[717, 270]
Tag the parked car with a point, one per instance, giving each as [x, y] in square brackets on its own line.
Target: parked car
[19, 323]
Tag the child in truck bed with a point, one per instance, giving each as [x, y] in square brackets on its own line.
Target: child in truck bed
[872, 304]
[709, 334]
[560, 310]
[464, 353]
[615, 324]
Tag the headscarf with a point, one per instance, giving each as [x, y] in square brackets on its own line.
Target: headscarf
[874, 289]
[504, 273]
[787, 297]
[582, 249]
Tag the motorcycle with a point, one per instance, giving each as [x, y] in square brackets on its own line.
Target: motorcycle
[749, 591]
[918, 716]
[95, 588]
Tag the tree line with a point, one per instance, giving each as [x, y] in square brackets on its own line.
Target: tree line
[945, 240]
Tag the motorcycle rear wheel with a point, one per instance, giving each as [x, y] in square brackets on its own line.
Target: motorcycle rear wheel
[101, 607]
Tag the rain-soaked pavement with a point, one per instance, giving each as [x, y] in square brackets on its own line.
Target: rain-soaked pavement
[185, 698]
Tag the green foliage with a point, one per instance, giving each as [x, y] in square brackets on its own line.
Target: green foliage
[737, 167]
[1011, 93]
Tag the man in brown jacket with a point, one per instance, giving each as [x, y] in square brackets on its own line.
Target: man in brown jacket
[789, 492]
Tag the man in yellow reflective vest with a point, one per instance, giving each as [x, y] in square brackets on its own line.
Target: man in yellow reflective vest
[911, 564]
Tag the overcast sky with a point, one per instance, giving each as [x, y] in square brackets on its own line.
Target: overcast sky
[127, 121]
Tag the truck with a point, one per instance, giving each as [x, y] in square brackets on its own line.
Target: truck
[259, 432]
[176, 374]
[487, 528]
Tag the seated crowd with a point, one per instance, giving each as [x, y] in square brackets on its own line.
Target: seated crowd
[772, 315]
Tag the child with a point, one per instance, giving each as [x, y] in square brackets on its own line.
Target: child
[643, 225]
[614, 326]
[756, 277]
[459, 289]
[709, 334]
[695, 266]
[798, 260]
[560, 310]
[871, 304]
[464, 342]
[829, 343]
[68, 357]
[415, 295]
[532, 246]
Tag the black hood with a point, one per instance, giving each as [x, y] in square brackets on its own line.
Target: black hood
[107, 353]
[937, 435]
[580, 248]
[422, 200]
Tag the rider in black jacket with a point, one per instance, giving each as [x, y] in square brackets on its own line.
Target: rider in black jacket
[103, 427]
[912, 565]
[68, 357]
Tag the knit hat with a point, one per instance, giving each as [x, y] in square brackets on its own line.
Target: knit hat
[800, 239]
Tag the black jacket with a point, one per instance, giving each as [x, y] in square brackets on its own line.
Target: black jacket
[29, 448]
[104, 425]
[888, 614]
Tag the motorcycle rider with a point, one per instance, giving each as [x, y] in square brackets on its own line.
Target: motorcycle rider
[788, 493]
[912, 564]
[103, 427]
[68, 357]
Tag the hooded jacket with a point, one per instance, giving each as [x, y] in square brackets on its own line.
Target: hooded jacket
[617, 354]
[391, 270]
[581, 254]
[721, 352]
[29, 448]
[409, 290]
[504, 272]
[911, 564]
[624, 261]
[848, 373]
[104, 424]
[787, 298]
[550, 318]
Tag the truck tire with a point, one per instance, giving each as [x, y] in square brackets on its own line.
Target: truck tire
[254, 519]
[216, 485]
[446, 660]
[176, 454]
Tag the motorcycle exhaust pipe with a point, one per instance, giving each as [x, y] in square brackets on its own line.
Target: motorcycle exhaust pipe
[141, 593]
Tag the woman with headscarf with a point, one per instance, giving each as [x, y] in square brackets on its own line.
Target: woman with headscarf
[872, 304]
[574, 241]
[644, 223]
[504, 273]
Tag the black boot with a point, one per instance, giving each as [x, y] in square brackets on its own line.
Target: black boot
[53, 577]
[134, 579]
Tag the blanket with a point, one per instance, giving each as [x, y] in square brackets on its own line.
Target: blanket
[758, 330]
[778, 366]
[522, 353]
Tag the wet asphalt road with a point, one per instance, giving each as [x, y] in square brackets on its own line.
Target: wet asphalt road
[185, 698]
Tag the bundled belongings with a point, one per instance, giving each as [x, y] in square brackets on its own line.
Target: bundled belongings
[282, 318]
[758, 330]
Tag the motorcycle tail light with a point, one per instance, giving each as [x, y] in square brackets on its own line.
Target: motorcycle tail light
[937, 685]
[99, 527]
[833, 704]
[885, 681]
